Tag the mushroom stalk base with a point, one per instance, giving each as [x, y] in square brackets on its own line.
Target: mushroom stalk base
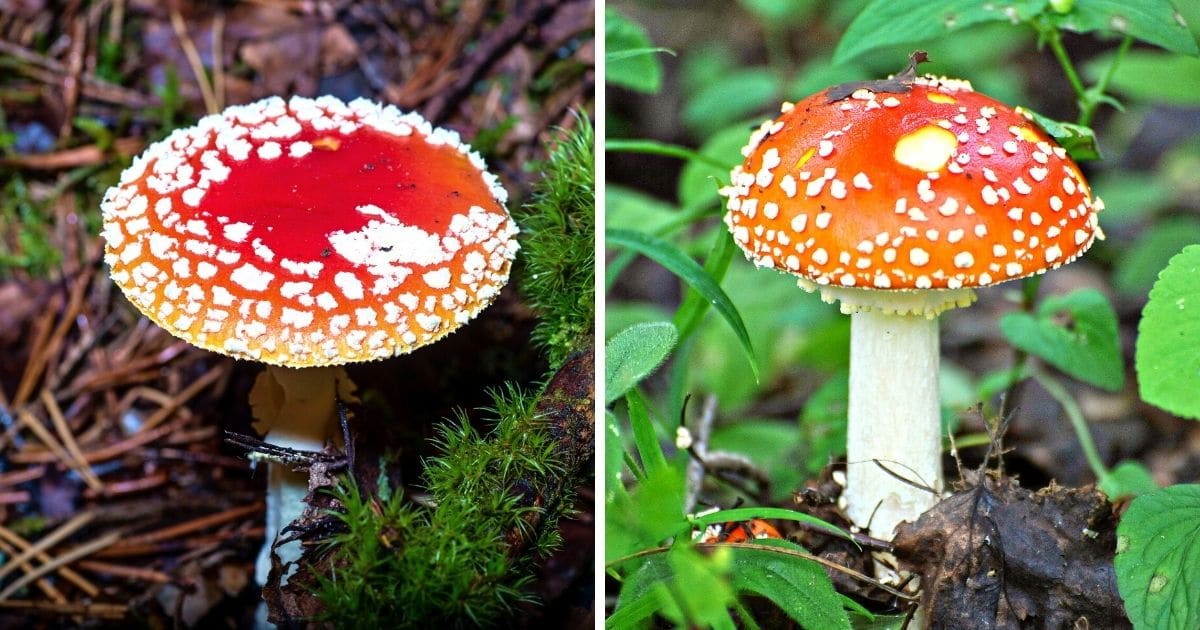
[295, 409]
[894, 418]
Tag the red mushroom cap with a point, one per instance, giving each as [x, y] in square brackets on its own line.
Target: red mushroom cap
[309, 232]
[903, 185]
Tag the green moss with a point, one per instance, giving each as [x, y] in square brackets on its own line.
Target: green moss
[463, 560]
[558, 228]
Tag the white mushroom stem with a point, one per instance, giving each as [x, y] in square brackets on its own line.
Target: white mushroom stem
[894, 420]
[297, 409]
[894, 413]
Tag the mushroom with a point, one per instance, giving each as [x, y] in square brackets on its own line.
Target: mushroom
[900, 197]
[307, 234]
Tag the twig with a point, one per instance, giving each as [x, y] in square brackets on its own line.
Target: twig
[296, 459]
[16, 497]
[21, 544]
[198, 457]
[198, 542]
[149, 431]
[71, 78]
[42, 330]
[127, 487]
[115, 21]
[187, 394]
[193, 57]
[37, 362]
[489, 51]
[92, 611]
[47, 541]
[50, 71]
[107, 452]
[204, 522]
[218, 42]
[16, 477]
[81, 551]
[73, 158]
[42, 584]
[699, 450]
[79, 464]
[57, 452]
[134, 573]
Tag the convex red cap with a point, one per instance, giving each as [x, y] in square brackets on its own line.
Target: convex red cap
[309, 232]
[905, 184]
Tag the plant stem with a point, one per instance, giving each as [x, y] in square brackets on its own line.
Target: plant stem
[1078, 422]
[653, 147]
[1060, 53]
[1085, 117]
[1087, 99]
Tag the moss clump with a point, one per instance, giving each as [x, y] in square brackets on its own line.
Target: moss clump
[558, 232]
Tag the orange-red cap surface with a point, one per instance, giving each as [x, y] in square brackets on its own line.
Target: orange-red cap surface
[309, 232]
[936, 187]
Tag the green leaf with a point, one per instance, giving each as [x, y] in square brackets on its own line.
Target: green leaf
[692, 273]
[775, 14]
[772, 445]
[96, 129]
[680, 576]
[631, 58]
[698, 182]
[1158, 559]
[1127, 479]
[747, 513]
[634, 606]
[1129, 197]
[1137, 268]
[782, 320]
[1152, 76]
[621, 315]
[800, 587]
[694, 306]
[1168, 342]
[653, 147]
[995, 382]
[633, 354]
[1152, 21]
[823, 422]
[729, 98]
[1076, 333]
[614, 456]
[1079, 141]
[644, 434]
[650, 513]
[626, 206]
[709, 59]
[890, 22]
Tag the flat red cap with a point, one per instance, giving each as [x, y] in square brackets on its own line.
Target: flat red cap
[908, 184]
[309, 232]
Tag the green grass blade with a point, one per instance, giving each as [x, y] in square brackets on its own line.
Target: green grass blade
[694, 275]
